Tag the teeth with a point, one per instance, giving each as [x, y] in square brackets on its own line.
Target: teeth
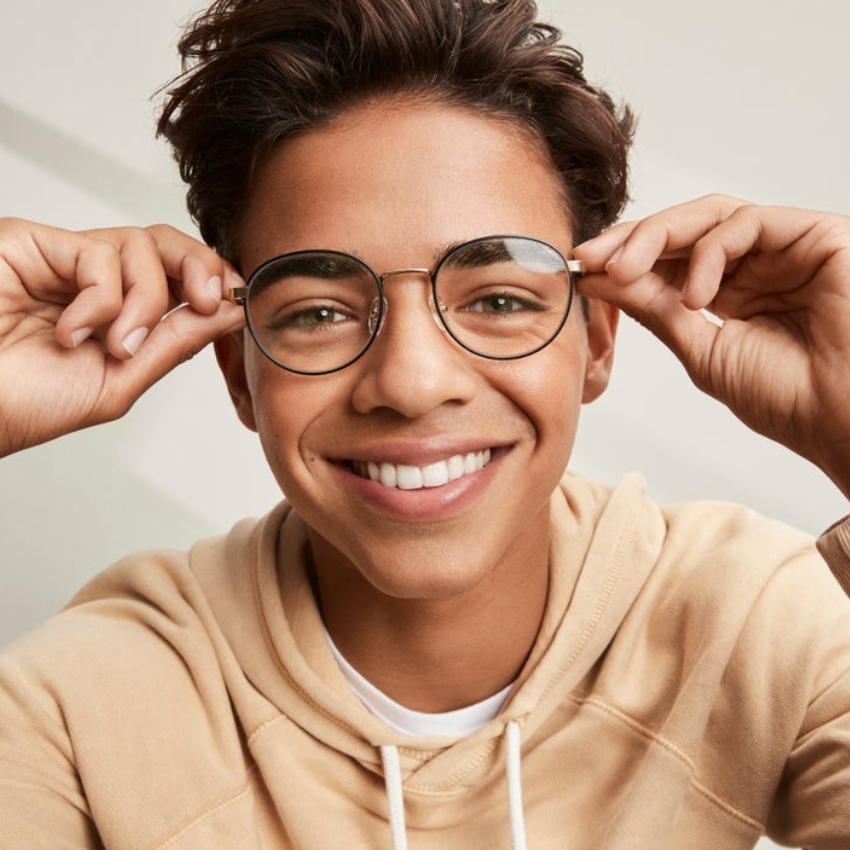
[456, 467]
[387, 475]
[409, 477]
[435, 474]
[416, 477]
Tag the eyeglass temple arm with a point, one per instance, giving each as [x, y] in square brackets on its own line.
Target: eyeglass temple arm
[575, 267]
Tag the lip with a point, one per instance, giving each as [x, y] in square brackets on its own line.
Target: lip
[427, 504]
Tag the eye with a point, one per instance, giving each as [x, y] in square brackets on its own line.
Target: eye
[318, 316]
[307, 318]
[502, 303]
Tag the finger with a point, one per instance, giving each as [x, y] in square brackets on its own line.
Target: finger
[774, 241]
[59, 266]
[146, 297]
[653, 303]
[161, 268]
[113, 279]
[604, 248]
[177, 338]
[201, 277]
[630, 249]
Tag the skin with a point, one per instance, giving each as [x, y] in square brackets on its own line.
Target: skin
[429, 576]
[87, 321]
[779, 278]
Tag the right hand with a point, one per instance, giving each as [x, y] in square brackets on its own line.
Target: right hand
[88, 321]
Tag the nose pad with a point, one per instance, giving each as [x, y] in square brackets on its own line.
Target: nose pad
[438, 310]
[380, 305]
[376, 311]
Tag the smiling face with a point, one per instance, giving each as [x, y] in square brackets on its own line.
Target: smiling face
[423, 470]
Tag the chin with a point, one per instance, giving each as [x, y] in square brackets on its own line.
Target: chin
[426, 576]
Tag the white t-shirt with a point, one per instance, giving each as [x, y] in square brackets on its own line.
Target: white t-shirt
[449, 724]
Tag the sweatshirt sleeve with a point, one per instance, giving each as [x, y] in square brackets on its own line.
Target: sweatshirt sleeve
[116, 723]
[42, 803]
[811, 805]
[834, 546]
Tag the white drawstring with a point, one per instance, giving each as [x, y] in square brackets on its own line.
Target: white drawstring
[515, 787]
[395, 791]
[395, 796]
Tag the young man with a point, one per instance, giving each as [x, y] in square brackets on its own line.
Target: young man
[440, 639]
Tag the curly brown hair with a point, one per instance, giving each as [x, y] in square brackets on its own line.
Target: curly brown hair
[258, 72]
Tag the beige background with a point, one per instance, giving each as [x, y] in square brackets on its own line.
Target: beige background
[748, 98]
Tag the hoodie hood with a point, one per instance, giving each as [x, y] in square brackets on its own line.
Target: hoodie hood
[604, 544]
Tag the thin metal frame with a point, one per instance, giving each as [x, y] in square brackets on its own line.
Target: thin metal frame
[239, 295]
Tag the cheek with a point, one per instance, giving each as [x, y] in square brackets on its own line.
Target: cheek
[548, 387]
[285, 408]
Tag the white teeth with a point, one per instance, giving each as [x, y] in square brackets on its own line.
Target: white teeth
[409, 477]
[433, 475]
[387, 475]
[456, 467]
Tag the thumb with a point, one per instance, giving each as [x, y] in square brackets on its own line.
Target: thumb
[657, 305]
[177, 338]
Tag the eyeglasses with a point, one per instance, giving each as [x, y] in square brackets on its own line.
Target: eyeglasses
[499, 297]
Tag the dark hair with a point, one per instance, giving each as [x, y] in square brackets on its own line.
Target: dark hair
[258, 72]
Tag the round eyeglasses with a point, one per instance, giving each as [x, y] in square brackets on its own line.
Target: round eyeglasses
[499, 297]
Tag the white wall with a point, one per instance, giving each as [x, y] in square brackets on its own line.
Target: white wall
[748, 98]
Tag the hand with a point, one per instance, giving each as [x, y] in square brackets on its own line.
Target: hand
[778, 278]
[86, 321]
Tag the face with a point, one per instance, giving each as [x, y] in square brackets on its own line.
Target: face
[395, 184]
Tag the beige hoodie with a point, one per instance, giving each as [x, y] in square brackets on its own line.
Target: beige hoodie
[689, 688]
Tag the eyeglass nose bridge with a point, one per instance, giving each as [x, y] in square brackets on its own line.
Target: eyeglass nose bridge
[380, 305]
[395, 272]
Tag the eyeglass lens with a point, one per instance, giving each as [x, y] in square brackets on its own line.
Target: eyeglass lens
[317, 311]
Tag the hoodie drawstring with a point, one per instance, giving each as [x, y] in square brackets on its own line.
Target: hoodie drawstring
[395, 791]
[514, 741]
[395, 795]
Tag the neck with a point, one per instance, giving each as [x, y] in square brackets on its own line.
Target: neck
[436, 655]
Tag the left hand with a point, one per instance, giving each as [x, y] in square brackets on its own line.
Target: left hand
[779, 278]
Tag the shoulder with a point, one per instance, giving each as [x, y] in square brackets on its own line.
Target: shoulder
[728, 557]
[727, 541]
[739, 617]
[715, 571]
[144, 626]
[752, 596]
[136, 673]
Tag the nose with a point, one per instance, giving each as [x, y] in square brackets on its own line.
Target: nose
[413, 366]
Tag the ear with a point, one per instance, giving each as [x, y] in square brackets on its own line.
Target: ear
[602, 319]
[230, 354]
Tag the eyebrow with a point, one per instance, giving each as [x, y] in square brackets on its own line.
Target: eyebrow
[338, 265]
[322, 267]
[477, 254]
[481, 251]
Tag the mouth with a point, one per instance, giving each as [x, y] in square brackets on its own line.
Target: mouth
[442, 472]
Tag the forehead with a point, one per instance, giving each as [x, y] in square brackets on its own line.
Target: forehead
[403, 174]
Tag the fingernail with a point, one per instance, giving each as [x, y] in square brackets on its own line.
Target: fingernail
[81, 336]
[214, 286]
[614, 257]
[133, 341]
